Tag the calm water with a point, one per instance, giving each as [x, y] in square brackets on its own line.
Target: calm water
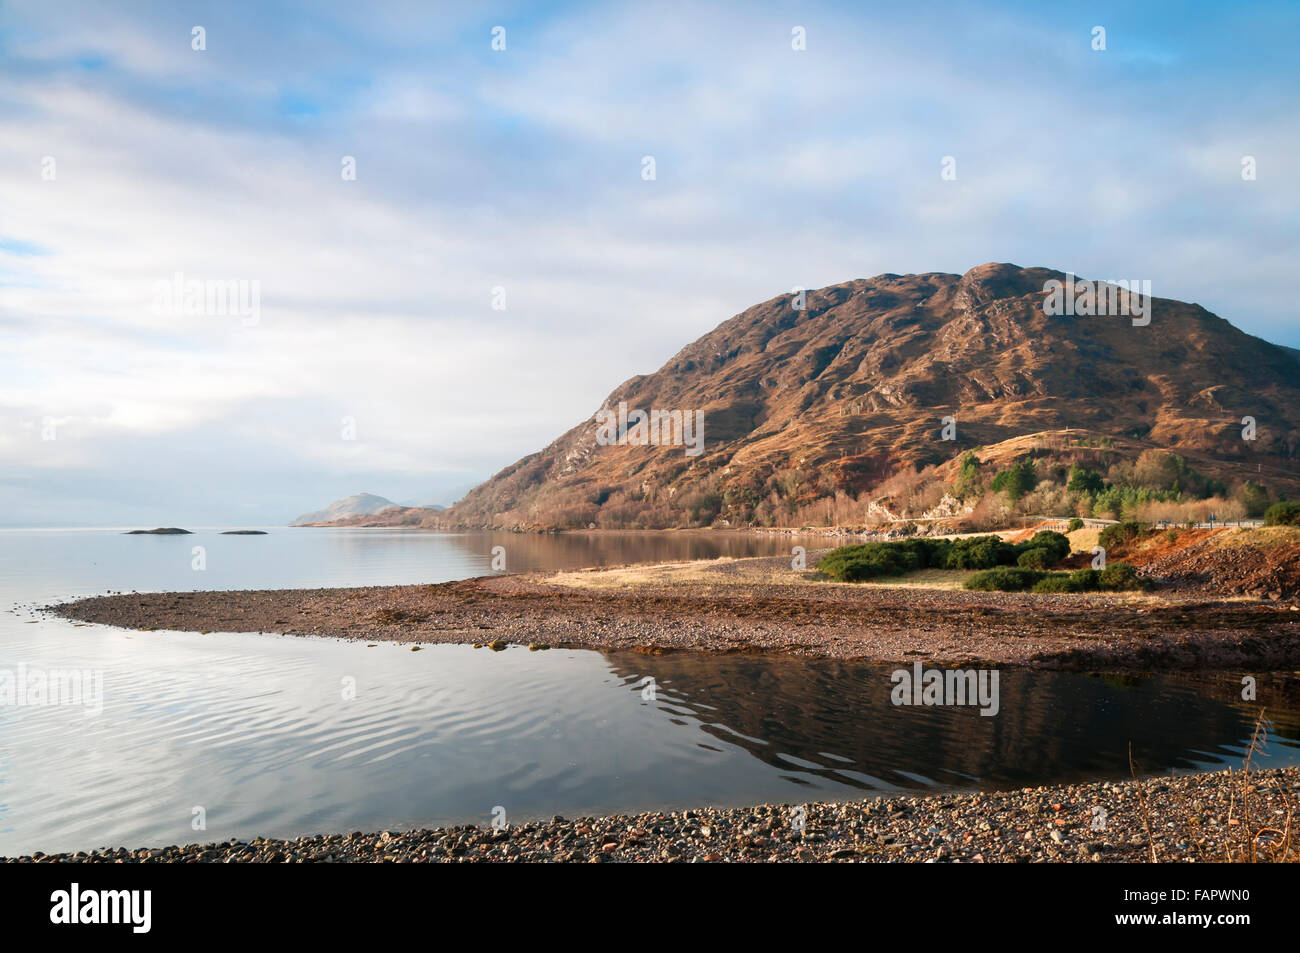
[257, 731]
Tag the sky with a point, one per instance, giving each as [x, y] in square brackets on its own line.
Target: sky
[502, 259]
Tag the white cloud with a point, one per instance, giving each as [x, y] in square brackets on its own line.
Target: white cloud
[775, 169]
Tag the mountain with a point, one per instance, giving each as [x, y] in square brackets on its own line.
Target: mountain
[837, 398]
[389, 516]
[361, 504]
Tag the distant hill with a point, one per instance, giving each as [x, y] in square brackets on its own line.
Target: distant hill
[422, 504]
[834, 400]
[389, 516]
[362, 504]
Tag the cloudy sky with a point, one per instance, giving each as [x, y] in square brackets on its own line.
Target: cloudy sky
[127, 157]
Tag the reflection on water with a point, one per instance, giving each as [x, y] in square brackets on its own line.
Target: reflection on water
[259, 731]
[834, 721]
[55, 564]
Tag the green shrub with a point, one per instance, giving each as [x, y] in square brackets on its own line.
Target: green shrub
[858, 563]
[1058, 582]
[865, 561]
[1074, 524]
[937, 551]
[1036, 559]
[1088, 580]
[1282, 514]
[1120, 533]
[1003, 579]
[1118, 576]
[979, 552]
[873, 560]
[1056, 545]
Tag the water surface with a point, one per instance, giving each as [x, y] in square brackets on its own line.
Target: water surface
[281, 736]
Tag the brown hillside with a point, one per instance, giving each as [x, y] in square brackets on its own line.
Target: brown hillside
[801, 404]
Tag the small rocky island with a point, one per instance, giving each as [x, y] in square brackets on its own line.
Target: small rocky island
[160, 531]
[244, 532]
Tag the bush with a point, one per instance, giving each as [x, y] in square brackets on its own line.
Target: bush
[873, 560]
[1282, 514]
[979, 552]
[1118, 576]
[1038, 558]
[1088, 580]
[1115, 536]
[1074, 524]
[859, 563]
[1053, 543]
[1004, 580]
[866, 561]
[1058, 582]
[1115, 577]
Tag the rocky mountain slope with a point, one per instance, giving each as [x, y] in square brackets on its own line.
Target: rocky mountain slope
[801, 404]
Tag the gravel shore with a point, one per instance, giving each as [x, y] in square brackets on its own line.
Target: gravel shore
[1190, 818]
[753, 605]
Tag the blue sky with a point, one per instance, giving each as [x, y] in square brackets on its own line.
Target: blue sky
[521, 169]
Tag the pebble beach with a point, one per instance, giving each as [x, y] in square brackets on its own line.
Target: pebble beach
[1195, 818]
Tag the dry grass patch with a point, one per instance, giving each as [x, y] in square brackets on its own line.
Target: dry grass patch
[1083, 540]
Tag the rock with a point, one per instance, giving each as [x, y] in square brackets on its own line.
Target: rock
[939, 830]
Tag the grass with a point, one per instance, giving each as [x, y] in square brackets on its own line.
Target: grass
[1281, 844]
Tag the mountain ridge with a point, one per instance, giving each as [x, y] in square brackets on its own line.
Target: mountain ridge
[840, 396]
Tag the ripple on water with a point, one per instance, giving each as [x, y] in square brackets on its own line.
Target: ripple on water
[258, 732]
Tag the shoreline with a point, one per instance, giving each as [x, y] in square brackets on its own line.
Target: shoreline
[760, 605]
[753, 605]
[1201, 817]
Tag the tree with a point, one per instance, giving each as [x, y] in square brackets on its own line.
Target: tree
[1083, 480]
[1108, 503]
[1253, 497]
[1015, 481]
[1283, 514]
[968, 476]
